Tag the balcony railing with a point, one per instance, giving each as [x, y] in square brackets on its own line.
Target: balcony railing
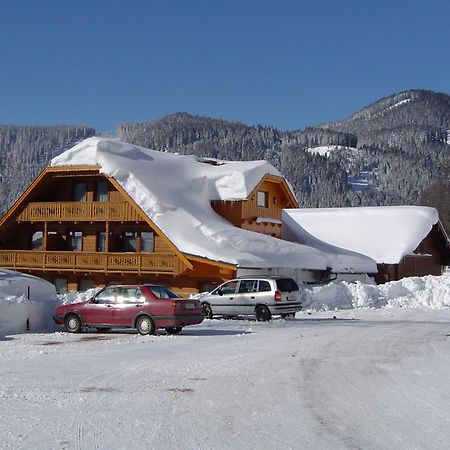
[140, 263]
[78, 211]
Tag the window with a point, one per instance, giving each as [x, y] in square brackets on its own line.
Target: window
[162, 292]
[227, 288]
[101, 191]
[36, 240]
[287, 285]
[79, 192]
[129, 295]
[85, 284]
[106, 296]
[147, 240]
[248, 286]
[101, 241]
[60, 285]
[264, 286]
[129, 241]
[75, 240]
[262, 199]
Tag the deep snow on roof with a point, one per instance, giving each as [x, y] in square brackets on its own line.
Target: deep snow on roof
[350, 261]
[384, 233]
[175, 192]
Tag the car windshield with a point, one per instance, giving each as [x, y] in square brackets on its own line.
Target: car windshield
[162, 292]
[287, 285]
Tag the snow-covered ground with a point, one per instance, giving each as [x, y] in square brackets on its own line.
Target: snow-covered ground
[361, 377]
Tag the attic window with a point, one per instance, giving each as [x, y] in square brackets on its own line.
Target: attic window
[262, 199]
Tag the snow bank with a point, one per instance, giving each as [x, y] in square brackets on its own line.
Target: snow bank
[16, 310]
[415, 292]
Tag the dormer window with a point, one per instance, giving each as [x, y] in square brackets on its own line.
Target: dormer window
[262, 199]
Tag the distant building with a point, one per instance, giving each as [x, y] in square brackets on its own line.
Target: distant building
[108, 212]
[403, 240]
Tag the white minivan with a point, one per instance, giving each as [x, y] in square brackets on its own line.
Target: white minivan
[262, 297]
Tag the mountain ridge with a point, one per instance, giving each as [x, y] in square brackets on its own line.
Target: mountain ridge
[387, 153]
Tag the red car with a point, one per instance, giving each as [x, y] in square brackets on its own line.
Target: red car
[144, 307]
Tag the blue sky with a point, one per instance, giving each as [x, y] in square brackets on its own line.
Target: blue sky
[287, 64]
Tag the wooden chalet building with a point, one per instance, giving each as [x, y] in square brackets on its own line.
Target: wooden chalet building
[261, 210]
[79, 228]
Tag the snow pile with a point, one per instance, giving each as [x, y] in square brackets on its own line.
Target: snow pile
[17, 312]
[415, 292]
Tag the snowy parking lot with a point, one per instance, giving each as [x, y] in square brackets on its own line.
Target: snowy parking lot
[356, 378]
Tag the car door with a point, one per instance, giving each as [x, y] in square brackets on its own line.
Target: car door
[129, 301]
[222, 299]
[100, 309]
[245, 298]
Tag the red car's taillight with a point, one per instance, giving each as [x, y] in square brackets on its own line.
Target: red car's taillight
[277, 296]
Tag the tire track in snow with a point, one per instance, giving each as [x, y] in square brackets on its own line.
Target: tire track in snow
[222, 384]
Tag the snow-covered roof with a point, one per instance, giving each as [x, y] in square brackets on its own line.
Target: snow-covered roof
[384, 233]
[344, 259]
[175, 191]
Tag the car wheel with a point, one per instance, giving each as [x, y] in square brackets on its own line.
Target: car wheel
[72, 323]
[288, 316]
[145, 325]
[262, 313]
[207, 311]
[103, 329]
[173, 330]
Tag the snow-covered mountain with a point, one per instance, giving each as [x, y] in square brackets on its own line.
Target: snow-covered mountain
[401, 157]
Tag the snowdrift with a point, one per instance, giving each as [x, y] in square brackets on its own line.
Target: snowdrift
[415, 292]
[17, 312]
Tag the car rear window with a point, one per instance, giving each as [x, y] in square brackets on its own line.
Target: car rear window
[287, 285]
[162, 292]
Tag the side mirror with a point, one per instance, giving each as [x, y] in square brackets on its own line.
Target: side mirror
[220, 292]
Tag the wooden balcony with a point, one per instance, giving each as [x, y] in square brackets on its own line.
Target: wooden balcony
[136, 263]
[78, 212]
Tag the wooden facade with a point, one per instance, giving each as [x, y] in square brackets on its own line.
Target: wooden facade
[261, 211]
[78, 229]
[427, 259]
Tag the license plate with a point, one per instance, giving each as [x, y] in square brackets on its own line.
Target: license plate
[189, 306]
